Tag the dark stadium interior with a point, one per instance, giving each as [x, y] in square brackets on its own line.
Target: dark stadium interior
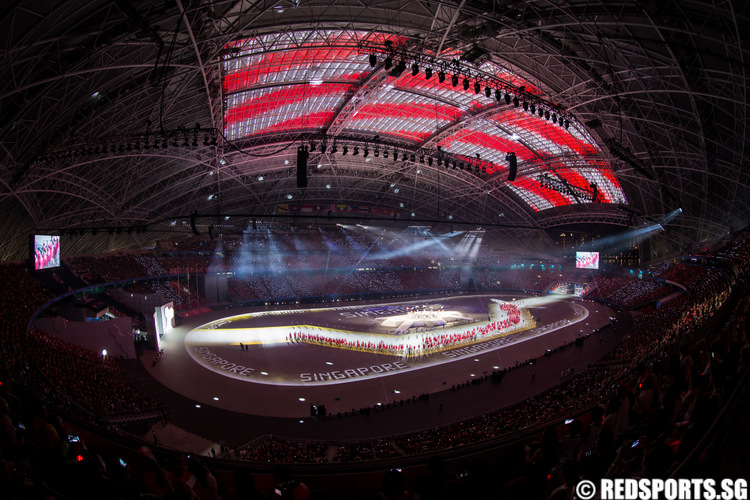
[373, 249]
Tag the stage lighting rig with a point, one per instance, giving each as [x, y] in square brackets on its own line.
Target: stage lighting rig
[399, 56]
[562, 186]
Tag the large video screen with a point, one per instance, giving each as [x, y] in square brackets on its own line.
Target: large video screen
[164, 319]
[587, 260]
[46, 251]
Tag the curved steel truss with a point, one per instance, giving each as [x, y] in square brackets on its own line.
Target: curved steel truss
[654, 96]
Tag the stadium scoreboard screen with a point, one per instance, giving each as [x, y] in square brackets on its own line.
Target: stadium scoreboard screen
[45, 251]
[587, 260]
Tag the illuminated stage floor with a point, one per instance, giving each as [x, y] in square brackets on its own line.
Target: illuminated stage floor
[273, 381]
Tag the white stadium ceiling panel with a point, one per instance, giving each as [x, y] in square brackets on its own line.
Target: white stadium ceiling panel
[100, 108]
[299, 81]
[402, 115]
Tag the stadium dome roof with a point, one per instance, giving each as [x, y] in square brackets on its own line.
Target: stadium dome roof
[119, 117]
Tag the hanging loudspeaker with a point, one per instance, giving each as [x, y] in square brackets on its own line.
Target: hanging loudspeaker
[302, 155]
[512, 166]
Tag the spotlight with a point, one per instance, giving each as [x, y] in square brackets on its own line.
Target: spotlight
[385, 154]
[507, 98]
[400, 68]
[541, 112]
[488, 92]
[388, 62]
[454, 80]
[421, 158]
[455, 164]
[466, 83]
[413, 158]
[498, 95]
[546, 115]
[373, 60]
[366, 152]
[405, 157]
[515, 102]
[525, 106]
[334, 149]
[477, 87]
[323, 147]
[346, 150]
[356, 150]
[312, 146]
[532, 108]
[441, 76]
[377, 152]
[414, 69]
[567, 124]
[429, 160]
[554, 118]
[427, 73]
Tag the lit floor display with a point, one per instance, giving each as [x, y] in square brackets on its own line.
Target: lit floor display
[276, 362]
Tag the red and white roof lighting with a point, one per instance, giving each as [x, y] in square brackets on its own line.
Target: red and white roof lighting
[297, 83]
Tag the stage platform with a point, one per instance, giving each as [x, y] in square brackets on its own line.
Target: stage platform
[235, 375]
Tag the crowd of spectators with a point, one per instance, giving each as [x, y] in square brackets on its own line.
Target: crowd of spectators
[639, 292]
[528, 279]
[653, 342]
[284, 451]
[331, 264]
[652, 400]
[733, 253]
[603, 286]
[683, 274]
[664, 327]
[369, 450]
[63, 372]
[106, 268]
[80, 377]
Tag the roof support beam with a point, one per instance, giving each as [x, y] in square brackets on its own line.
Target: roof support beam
[201, 68]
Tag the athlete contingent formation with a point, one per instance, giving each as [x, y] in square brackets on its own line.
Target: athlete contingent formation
[415, 345]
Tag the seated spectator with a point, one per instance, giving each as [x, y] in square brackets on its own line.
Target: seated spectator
[393, 487]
